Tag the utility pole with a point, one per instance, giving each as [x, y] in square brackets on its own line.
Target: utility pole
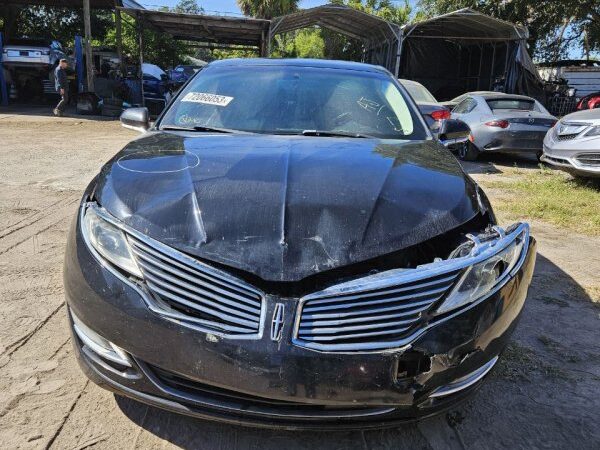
[89, 61]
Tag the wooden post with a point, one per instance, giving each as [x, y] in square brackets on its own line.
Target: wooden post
[89, 59]
[141, 56]
[119, 38]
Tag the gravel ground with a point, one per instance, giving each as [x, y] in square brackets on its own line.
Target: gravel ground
[544, 394]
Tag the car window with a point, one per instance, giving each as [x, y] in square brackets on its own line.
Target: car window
[511, 103]
[290, 99]
[419, 93]
[466, 106]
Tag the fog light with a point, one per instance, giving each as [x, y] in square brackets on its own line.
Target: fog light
[466, 381]
[102, 347]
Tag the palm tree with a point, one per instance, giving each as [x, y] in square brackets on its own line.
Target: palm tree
[267, 9]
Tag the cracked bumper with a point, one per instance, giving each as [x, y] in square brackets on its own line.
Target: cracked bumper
[277, 384]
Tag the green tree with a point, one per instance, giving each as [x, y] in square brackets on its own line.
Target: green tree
[188, 7]
[267, 9]
[556, 27]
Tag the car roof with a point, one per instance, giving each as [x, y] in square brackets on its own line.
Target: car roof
[405, 81]
[503, 96]
[300, 62]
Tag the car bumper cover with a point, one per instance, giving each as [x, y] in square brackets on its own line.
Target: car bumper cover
[274, 383]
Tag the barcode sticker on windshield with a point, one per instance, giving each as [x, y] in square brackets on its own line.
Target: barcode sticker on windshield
[207, 99]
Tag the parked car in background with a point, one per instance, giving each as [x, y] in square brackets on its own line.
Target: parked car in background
[590, 101]
[156, 88]
[503, 123]
[573, 145]
[455, 101]
[289, 246]
[432, 110]
[180, 74]
[26, 52]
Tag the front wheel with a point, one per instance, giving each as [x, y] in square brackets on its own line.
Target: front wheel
[468, 152]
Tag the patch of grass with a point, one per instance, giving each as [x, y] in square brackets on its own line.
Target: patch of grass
[550, 196]
[519, 363]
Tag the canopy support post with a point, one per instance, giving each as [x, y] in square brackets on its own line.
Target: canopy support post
[399, 52]
[89, 61]
[492, 66]
[119, 39]
[3, 89]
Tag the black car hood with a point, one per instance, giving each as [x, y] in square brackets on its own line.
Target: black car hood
[282, 207]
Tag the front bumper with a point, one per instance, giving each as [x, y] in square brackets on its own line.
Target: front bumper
[565, 156]
[263, 382]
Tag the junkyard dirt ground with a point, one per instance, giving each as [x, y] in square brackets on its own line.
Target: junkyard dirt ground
[545, 393]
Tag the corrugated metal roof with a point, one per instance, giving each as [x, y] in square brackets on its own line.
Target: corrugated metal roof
[205, 28]
[339, 18]
[466, 24]
[94, 4]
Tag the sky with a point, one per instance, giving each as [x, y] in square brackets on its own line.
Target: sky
[224, 6]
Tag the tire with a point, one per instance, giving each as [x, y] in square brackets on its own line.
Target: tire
[538, 155]
[467, 152]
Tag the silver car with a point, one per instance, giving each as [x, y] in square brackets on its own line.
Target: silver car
[502, 123]
[573, 144]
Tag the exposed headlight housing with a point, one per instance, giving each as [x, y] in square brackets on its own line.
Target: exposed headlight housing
[594, 131]
[108, 240]
[494, 260]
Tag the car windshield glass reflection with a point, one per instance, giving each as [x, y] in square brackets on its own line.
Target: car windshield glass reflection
[296, 100]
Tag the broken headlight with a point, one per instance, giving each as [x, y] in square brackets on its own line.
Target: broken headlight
[108, 240]
[494, 260]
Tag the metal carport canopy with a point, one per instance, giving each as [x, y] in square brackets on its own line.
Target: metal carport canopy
[339, 18]
[94, 4]
[465, 24]
[205, 28]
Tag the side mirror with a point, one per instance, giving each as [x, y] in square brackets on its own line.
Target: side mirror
[136, 119]
[453, 131]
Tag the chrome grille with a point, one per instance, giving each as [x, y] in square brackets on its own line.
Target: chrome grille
[369, 318]
[589, 159]
[197, 294]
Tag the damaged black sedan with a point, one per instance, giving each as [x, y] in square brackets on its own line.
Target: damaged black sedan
[289, 246]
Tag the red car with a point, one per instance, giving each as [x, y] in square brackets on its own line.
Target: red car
[590, 101]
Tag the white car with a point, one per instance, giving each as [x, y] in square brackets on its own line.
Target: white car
[573, 144]
[27, 52]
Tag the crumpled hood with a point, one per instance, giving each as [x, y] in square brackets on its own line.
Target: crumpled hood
[282, 207]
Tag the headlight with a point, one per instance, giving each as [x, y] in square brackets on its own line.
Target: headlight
[109, 241]
[498, 259]
[594, 131]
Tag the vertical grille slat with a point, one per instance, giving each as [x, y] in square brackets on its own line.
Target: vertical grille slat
[369, 315]
[197, 294]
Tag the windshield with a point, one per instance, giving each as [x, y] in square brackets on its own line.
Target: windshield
[282, 99]
[511, 103]
[419, 93]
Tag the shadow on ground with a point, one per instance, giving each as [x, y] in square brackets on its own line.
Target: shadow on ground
[543, 392]
[42, 111]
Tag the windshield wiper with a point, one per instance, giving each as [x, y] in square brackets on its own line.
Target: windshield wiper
[333, 134]
[199, 128]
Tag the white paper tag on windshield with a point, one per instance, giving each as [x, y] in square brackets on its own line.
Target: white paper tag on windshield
[207, 99]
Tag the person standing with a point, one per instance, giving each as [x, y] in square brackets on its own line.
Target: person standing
[61, 84]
